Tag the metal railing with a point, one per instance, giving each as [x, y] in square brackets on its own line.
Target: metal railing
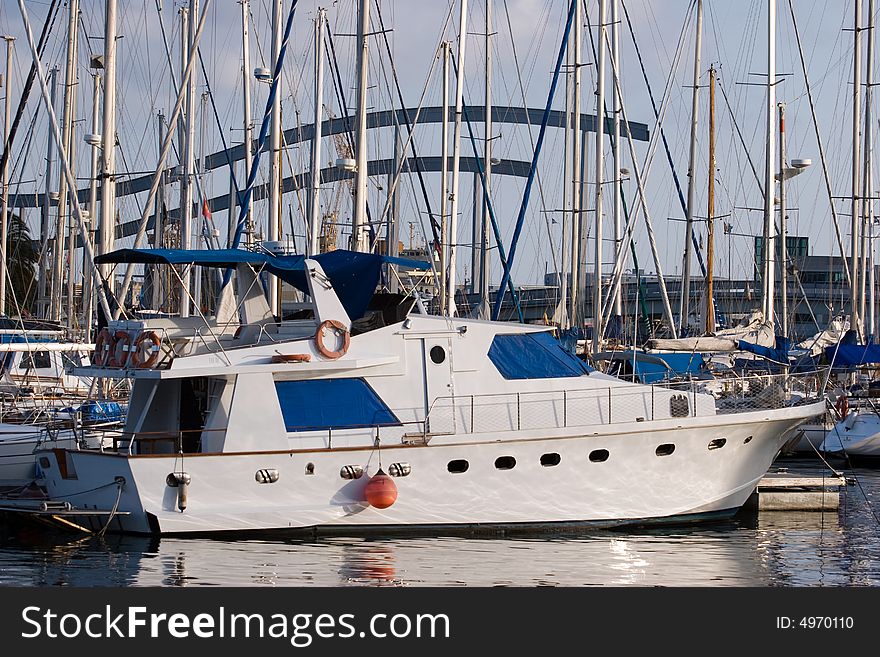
[518, 411]
[524, 411]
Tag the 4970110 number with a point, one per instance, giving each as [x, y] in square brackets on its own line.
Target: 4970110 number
[815, 622]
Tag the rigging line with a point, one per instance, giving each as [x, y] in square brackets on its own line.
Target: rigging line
[157, 175]
[220, 129]
[640, 176]
[836, 223]
[32, 73]
[649, 158]
[675, 178]
[387, 217]
[170, 67]
[520, 220]
[529, 132]
[261, 144]
[505, 262]
[643, 292]
[340, 90]
[411, 136]
[740, 135]
[344, 108]
[175, 90]
[409, 126]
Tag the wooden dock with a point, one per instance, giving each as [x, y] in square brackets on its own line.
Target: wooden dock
[782, 491]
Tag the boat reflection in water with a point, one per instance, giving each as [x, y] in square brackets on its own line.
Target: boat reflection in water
[769, 548]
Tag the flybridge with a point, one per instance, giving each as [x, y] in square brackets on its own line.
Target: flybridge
[340, 285]
[353, 275]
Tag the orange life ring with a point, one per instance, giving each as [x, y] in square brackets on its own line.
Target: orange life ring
[136, 359]
[102, 347]
[119, 349]
[842, 406]
[319, 339]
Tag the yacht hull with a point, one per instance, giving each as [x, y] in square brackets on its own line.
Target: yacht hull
[603, 475]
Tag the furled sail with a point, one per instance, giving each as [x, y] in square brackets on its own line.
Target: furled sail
[753, 330]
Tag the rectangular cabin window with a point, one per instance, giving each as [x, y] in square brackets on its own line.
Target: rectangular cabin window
[36, 360]
[331, 404]
[534, 356]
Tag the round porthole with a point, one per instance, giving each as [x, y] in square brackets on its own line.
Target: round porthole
[438, 354]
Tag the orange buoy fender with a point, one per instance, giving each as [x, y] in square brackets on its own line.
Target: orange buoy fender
[381, 491]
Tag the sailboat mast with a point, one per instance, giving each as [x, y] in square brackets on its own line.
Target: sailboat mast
[246, 113]
[867, 203]
[456, 157]
[359, 232]
[684, 304]
[159, 221]
[4, 175]
[574, 315]
[769, 170]
[600, 155]
[70, 84]
[68, 253]
[186, 220]
[42, 264]
[185, 180]
[89, 234]
[783, 223]
[577, 168]
[617, 309]
[274, 219]
[65, 165]
[487, 169]
[710, 214]
[855, 217]
[444, 176]
[313, 245]
[108, 144]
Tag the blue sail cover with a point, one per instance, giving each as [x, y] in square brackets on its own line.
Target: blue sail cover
[850, 355]
[354, 275]
[777, 355]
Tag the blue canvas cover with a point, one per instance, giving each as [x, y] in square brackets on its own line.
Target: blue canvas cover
[534, 356]
[331, 404]
[777, 355]
[850, 355]
[684, 364]
[654, 368]
[354, 275]
[652, 372]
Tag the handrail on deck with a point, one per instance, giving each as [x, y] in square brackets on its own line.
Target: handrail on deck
[740, 394]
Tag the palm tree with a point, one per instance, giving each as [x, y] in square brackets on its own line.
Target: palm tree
[21, 268]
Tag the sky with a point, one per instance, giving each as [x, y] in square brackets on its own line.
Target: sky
[527, 32]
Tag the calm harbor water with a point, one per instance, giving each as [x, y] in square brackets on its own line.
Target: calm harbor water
[839, 548]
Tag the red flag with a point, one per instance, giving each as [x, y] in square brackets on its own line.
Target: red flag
[206, 212]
